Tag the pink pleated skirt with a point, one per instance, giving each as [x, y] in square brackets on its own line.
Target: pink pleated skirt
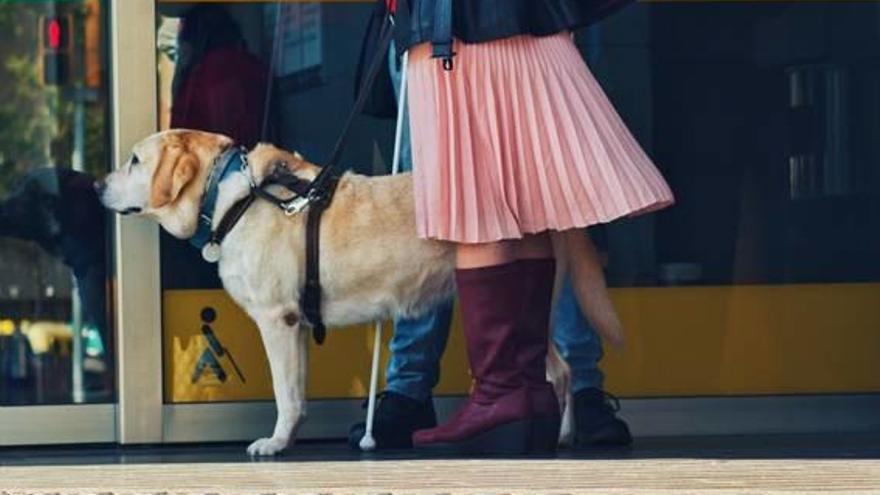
[519, 139]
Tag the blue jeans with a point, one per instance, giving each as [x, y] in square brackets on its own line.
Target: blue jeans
[418, 344]
[577, 341]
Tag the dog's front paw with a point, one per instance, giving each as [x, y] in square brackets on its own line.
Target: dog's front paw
[267, 446]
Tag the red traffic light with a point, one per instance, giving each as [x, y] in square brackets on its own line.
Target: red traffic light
[53, 34]
[55, 48]
[56, 33]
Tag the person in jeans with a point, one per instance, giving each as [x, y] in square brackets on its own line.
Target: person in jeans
[418, 345]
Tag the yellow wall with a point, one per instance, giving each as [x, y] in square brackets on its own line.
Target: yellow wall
[692, 341]
[748, 340]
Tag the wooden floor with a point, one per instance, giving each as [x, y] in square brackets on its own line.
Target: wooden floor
[654, 476]
[783, 464]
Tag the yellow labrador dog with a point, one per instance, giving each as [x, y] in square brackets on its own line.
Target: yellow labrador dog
[372, 264]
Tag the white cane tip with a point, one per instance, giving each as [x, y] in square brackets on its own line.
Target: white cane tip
[368, 444]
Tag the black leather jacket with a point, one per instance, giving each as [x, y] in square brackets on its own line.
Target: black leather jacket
[475, 21]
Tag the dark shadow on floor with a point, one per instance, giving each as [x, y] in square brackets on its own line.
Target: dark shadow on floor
[826, 446]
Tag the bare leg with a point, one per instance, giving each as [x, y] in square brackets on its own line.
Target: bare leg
[498, 253]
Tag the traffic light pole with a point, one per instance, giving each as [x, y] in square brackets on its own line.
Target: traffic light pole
[81, 95]
[77, 162]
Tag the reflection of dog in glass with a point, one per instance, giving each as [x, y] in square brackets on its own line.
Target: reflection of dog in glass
[59, 210]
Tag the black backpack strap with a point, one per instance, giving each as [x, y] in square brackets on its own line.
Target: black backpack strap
[441, 39]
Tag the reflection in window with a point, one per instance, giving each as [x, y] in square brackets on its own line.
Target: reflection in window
[765, 119]
[234, 69]
[296, 42]
[55, 338]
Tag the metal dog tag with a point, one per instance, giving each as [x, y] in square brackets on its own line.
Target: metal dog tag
[211, 252]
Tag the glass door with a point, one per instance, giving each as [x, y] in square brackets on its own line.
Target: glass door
[278, 72]
[57, 337]
[747, 304]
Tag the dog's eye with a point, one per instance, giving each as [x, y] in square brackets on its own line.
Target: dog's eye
[133, 162]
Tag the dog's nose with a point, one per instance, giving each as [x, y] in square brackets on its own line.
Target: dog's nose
[99, 186]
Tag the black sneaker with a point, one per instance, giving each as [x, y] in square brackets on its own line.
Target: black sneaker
[596, 421]
[397, 417]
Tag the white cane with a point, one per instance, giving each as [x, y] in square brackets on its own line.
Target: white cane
[368, 443]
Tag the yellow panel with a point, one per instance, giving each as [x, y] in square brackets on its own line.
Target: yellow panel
[681, 342]
[183, 344]
[338, 369]
[748, 340]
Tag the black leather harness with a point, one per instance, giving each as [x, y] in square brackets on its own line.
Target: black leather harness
[321, 190]
[316, 195]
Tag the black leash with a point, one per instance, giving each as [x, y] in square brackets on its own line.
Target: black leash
[211, 250]
[323, 187]
[321, 192]
[318, 194]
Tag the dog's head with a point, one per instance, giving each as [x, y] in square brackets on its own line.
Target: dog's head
[165, 178]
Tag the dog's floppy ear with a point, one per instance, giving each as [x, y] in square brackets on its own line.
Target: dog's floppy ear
[171, 178]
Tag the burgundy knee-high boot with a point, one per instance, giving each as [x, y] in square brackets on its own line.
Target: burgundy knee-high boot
[539, 275]
[507, 411]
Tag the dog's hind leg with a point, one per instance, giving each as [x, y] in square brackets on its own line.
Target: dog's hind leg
[286, 347]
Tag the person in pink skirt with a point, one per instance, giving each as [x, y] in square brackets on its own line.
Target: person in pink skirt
[516, 149]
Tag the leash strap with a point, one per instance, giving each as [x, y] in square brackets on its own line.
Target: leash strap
[232, 217]
[323, 187]
[322, 182]
[299, 187]
[311, 300]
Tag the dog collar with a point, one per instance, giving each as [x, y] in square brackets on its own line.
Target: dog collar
[232, 160]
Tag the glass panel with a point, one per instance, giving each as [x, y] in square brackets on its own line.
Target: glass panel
[765, 119]
[763, 116]
[215, 61]
[56, 341]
